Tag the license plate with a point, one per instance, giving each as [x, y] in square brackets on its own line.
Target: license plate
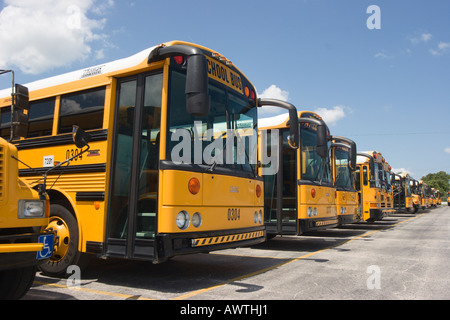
[47, 250]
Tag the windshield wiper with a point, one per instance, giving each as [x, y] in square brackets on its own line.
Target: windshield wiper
[212, 167]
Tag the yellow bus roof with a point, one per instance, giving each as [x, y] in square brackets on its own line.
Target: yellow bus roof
[280, 121]
[90, 77]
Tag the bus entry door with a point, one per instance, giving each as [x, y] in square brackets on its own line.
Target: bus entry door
[132, 210]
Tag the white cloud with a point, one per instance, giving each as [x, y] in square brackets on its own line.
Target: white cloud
[447, 150]
[331, 116]
[424, 37]
[402, 170]
[36, 36]
[382, 55]
[272, 92]
[443, 47]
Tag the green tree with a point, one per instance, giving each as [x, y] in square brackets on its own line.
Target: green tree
[439, 181]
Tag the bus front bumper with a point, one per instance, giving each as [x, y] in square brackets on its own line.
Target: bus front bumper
[169, 245]
[21, 250]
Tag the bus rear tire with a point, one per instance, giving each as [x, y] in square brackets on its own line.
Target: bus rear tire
[15, 283]
[66, 243]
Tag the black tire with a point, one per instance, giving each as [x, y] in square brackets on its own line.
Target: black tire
[15, 283]
[59, 262]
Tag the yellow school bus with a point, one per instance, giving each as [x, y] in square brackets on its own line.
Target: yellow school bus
[300, 196]
[344, 166]
[403, 200]
[426, 194]
[435, 197]
[388, 186]
[172, 164]
[24, 212]
[438, 195]
[416, 194]
[448, 198]
[372, 186]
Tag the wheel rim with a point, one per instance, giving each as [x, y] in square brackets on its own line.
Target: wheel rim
[62, 236]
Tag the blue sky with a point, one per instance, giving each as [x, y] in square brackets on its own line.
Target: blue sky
[387, 89]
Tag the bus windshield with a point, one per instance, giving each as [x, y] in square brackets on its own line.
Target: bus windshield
[408, 187]
[387, 180]
[343, 174]
[225, 138]
[313, 167]
[377, 174]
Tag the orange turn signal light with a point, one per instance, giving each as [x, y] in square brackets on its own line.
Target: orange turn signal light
[194, 186]
[258, 190]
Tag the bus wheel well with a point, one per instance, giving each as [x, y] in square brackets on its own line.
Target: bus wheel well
[58, 198]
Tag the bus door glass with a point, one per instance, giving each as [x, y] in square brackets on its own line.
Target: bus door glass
[280, 191]
[131, 224]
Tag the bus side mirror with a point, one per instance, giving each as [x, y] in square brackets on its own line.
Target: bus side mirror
[80, 137]
[21, 98]
[19, 118]
[293, 139]
[197, 97]
[352, 156]
[293, 129]
[322, 141]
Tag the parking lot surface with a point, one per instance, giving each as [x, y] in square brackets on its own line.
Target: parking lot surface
[404, 256]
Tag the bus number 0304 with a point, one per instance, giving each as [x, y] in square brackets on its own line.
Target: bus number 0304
[234, 214]
[73, 152]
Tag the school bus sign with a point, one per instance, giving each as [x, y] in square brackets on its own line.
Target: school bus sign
[224, 75]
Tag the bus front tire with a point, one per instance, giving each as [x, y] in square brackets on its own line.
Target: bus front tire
[15, 283]
[66, 251]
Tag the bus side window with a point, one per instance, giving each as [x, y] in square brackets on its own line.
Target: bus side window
[40, 118]
[365, 179]
[357, 175]
[84, 109]
[5, 122]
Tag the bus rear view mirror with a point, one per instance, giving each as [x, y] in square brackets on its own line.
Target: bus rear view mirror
[322, 141]
[21, 98]
[294, 136]
[80, 137]
[197, 98]
[352, 150]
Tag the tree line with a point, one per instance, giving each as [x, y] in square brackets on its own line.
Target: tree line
[440, 181]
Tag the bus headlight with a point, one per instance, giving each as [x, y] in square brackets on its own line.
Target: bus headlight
[31, 209]
[196, 219]
[315, 211]
[183, 220]
[310, 212]
[257, 217]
